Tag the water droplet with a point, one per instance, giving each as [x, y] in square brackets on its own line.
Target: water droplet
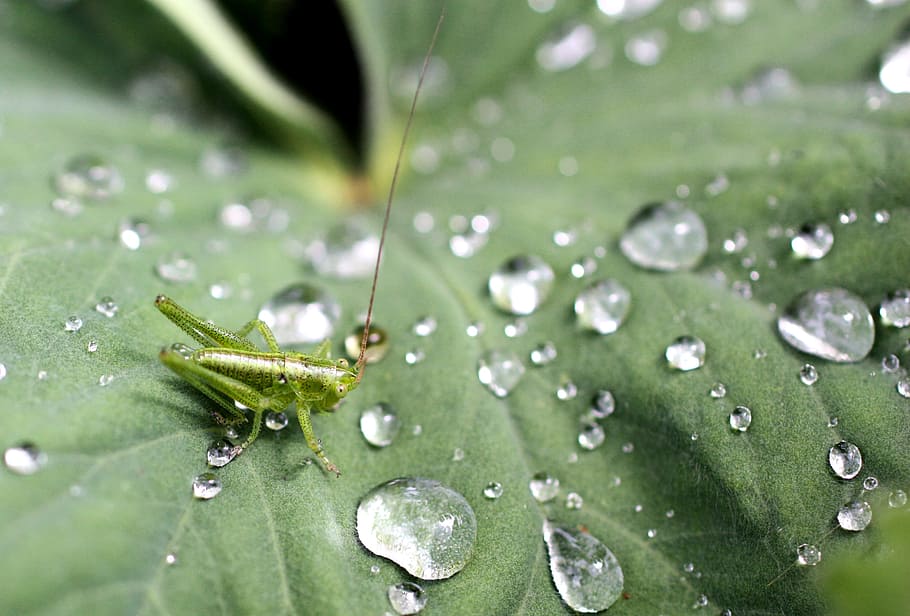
[586, 573]
[686, 353]
[457, 454]
[414, 356]
[276, 421]
[854, 516]
[474, 329]
[646, 49]
[847, 217]
[895, 309]
[133, 232]
[891, 363]
[720, 184]
[379, 424]
[107, 306]
[808, 555]
[301, 314]
[158, 181]
[67, 206]
[493, 490]
[583, 267]
[813, 241]
[565, 237]
[882, 217]
[42, 375]
[407, 598]
[567, 390]
[737, 243]
[718, 390]
[544, 487]
[347, 250]
[830, 323]
[769, 84]
[574, 501]
[741, 418]
[425, 326]
[870, 483]
[808, 374]
[568, 48]
[221, 452]
[378, 343]
[105, 379]
[845, 460]
[87, 176]
[231, 432]
[521, 284]
[543, 354]
[2, 371]
[206, 486]
[516, 328]
[170, 559]
[603, 404]
[894, 74]
[897, 499]
[24, 459]
[420, 524]
[603, 306]
[694, 19]
[629, 447]
[731, 11]
[72, 324]
[903, 388]
[176, 267]
[591, 436]
[220, 162]
[665, 236]
[375, 569]
[500, 371]
[220, 290]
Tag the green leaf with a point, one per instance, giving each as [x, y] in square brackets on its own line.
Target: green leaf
[90, 531]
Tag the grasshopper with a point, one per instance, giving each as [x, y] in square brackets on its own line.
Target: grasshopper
[230, 369]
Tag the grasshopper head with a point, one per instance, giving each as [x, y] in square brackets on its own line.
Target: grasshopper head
[345, 380]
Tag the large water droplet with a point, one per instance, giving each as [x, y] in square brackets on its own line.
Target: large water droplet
[627, 9]
[176, 267]
[379, 424]
[603, 404]
[206, 486]
[420, 524]
[830, 323]
[808, 374]
[686, 353]
[544, 487]
[813, 241]
[570, 47]
[845, 459]
[301, 314]
[741, 418]
[276, 420]
[586, 573]
[407, 598]
[808, 555]
[591, 436]
[24, 459]
[72, 324]
[894, 74]
[854, 516]
[500, 371]
[521, 284]
[347, 250]
[895, 309]
[88, 177]
[221, 452]
[665, 236]
[603, 306]
[378, 344]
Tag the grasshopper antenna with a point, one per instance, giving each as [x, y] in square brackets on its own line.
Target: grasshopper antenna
[361, 361]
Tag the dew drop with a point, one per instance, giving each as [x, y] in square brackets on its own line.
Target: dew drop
[516, 328]
[133, 232]
[492, 490]
[567, 390]
[107, 306]
[808, 374]
[347, 250]
[407, 598]
[665, 236]
[591, 436]
[882, 217]
[375, 569]
[646, 49]
[500, 371]
[736, 243]
[24, 459]
[2, 371]
[379, 424]
[854, 516]
[543, 354]
[891, 363]
[741, 418]
[521, 284]
[221, 452]
[42, 375]
[847, 217]
[220, 290]
[583, 267]
[895, 309]
[870, 483]
[694, 19]
[170, 559]
[629, 447]
[458, 454]
[769, 84]
[474, 329]
[544, 487]
[425, 326]
[72, 324]
[419, 524]
[206, 486]
[158, 181]
[567, 49]
[378, 343]
[105, 379]
[276, 420]
[731, 11]
[845, 460]
[830, 323]
[603, 404]
[67, 206]
[176, 267]
[414, 356]
[686, 353]
[718, 390]
[627, 9]
[301, 314]
[903, 388]
[603, 306]
[88, 176]
[586, 573]
[808, 555]
[574, 501]
[897, 499]
[812, 242]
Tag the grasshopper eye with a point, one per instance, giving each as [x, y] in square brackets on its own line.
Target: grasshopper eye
[341, 389]
[343, 362]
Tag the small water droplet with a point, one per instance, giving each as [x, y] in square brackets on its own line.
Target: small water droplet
[221, 452]
[24, 459]
[206, 486]
[521, 284]
[741, 418]
[845, 460]
[474, 329]
[854, 516]
[665, 236]
[591, 436]
[2, 371]
[375, 569]
[603, 404]
[897, 499]
[808, 555]
[170, 559]
[652, 532]
[830, 323]
[516, 328]
[301, 314]
[276, 421]
[895, 309]
[544, 487]
[567, 390]
[628, 447]
[107, 306]
[72, 324]
[425, 326]
[543, 354]
[414, 356]
[105, 379]
[176, 267]
[870, 483]
[882, 217]
[407, 598]
[603, 306]
[737, 243]
[378, 343]
[718, 390]
[457, 454]
[847, 217]
[812, 242]
[67, 206]
[420, 524]
[686, 353]
[647, 48]
[903, 388]
[769, 84]
[731, 12]
[133, 232]
[158, 181]
[88, 176]
[574, 501]
[583, 267]
[42, 375]
[573, 44]
[808, 374]
[586, 573]
[347, 250]
[694, 18]
[891, 363]
[379, 424]
[500, 371]
[493, 490]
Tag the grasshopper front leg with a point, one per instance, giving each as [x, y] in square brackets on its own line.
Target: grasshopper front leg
[306, 424]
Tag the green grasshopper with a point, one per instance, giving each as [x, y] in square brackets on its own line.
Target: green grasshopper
[230, 369]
